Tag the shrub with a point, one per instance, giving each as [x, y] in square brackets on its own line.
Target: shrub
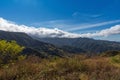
[35, 68]
[116, 59]
[10, 51]
[110, 53]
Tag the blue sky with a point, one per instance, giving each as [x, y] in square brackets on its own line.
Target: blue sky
[77, 16]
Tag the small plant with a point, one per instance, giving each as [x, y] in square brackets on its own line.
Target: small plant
[116, 59]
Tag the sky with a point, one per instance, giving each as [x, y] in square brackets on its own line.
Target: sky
[99, 19]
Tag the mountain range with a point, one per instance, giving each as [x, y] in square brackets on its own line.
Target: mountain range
[59, 46]
[33, 46]
[87, 44]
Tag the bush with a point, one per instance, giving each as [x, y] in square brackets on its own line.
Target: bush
[110, 53]
[35, 68]
[10, 51]
[116, 59]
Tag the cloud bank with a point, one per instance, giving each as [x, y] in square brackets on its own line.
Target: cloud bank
[106, 32]
[6, 25]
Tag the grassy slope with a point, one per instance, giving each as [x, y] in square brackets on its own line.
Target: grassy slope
[74, 68]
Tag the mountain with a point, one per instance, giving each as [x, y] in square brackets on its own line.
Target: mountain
[59, 46]
[87, 44]
[32, 46]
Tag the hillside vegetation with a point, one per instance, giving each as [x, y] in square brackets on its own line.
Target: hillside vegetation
[59, 46]
[10, 52]
[32, 45]
[83, 44]
[76, 67]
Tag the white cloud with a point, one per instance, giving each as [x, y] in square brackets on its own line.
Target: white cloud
[106, 32]
[67, 25]
[111, 31]
[79, 14]
[32, 31]
[86, 26]
[45, 32]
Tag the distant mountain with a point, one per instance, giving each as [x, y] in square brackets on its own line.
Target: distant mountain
[86, 44]
[59, 46]
[32, 46]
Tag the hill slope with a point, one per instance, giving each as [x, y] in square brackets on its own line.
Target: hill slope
[87, 44]
[72, 45]
[32, 45]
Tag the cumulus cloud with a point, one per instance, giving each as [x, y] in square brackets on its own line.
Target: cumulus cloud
[6, 25]
[106, 32]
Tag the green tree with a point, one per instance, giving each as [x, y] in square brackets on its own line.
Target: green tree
[9, 51]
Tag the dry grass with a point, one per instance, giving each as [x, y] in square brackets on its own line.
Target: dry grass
[74, 68]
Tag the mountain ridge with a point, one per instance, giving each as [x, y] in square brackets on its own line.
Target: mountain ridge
[31, 44]
[88, 44]
[60, 46]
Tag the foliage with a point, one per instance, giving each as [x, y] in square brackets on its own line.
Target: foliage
[110, 53]
[78, 45]
[116, 59]
[74, 68]
[9, 51]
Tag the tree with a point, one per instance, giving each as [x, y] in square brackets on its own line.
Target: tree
[9, 51]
